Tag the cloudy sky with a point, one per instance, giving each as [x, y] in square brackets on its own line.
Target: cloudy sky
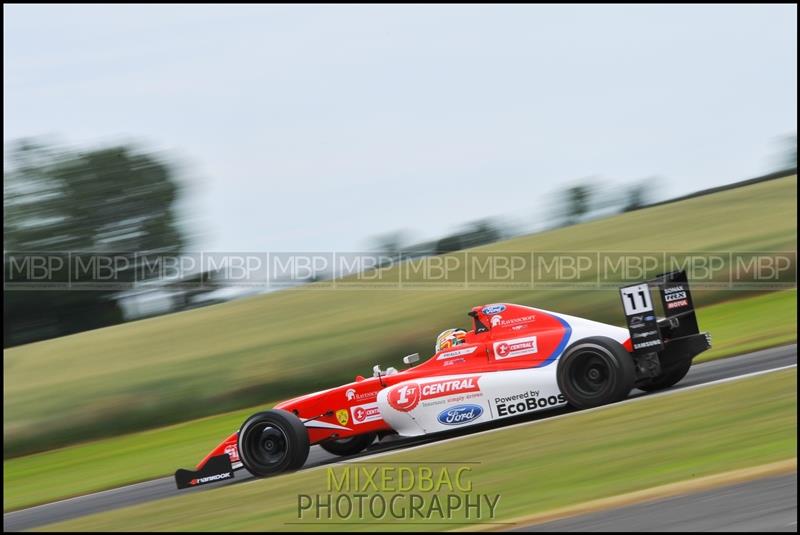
[314, 127]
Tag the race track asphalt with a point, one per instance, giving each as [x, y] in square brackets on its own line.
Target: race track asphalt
[768, 504]
[157, 489]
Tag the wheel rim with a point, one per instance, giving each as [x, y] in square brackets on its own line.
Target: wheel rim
[267, 444]
[591, 374]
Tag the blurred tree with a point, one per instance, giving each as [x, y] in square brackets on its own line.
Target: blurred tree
[791, 151]
[577, 203]
[448, 244]
[390, 244]
[635, 197]
[483, 231]
[101, 201]
[477, 233]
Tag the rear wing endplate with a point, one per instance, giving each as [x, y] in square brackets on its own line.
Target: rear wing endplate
[647, 332]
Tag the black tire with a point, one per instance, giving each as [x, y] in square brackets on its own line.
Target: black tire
[595, 371]
[272, 442]
[668, 378]
[349, 445]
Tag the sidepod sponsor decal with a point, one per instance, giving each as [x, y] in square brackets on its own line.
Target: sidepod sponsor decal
[342, 416]
[460, 414]
[518, 347]
[406, 396]
[552, 336]
[352, 395]
[525, 402]
[513, 322]
[365, 413]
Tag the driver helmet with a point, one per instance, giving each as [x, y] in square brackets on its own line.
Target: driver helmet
[450, 338]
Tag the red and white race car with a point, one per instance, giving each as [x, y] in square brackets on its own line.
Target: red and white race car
[515, 360]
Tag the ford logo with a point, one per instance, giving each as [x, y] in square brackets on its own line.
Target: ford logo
[460, 414]
[493, 309]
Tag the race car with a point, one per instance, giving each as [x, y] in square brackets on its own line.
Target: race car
[514, 360]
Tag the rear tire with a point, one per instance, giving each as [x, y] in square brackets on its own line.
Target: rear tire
[272, 442]
[668, 378]
[595, 371]
[349, 445]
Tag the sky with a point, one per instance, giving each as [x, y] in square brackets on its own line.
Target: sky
[314, 128]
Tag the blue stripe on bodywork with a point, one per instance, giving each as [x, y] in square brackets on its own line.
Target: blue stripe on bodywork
[561, 345]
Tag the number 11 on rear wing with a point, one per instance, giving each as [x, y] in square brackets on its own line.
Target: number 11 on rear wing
[676, 335]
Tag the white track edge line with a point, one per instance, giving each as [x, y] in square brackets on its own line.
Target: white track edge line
[443, 441]
[550, 419]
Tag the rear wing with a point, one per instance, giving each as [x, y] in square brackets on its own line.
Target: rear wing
[650, 334]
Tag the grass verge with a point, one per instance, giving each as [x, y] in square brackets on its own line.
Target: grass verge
[737, 326]
[179, 367]
[690, 486]
[749, 324]
[532, 467]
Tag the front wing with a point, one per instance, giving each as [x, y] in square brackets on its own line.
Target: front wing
[217, 468]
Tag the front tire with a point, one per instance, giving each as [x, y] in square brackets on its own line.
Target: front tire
[272, 442]
[595, 371]
[349, 445]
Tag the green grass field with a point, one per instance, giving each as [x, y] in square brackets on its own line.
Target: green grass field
[749, 324]
[534, 468]
[175, 368]
[113, 462]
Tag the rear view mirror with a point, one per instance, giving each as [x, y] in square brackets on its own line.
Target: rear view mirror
[411, 359]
